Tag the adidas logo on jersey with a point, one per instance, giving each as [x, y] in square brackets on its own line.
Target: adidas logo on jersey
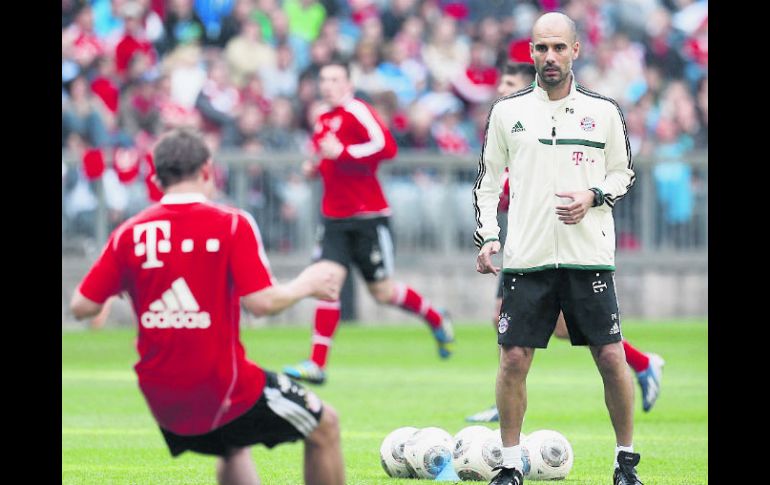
[517, 127]
[176, 308]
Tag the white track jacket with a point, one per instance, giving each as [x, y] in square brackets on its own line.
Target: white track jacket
[572, 144]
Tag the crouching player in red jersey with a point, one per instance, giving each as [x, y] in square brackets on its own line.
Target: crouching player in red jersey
[351, 142]
[186, 264]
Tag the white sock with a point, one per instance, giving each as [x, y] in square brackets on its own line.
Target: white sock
[512, 457]
[618, 449]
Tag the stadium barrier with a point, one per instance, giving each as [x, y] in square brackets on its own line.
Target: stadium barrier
[661, 227]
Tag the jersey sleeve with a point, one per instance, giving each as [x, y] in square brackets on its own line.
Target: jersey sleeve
[486, 191]
[105, 278]
[381, 144]
[249, 266]
[620, 173]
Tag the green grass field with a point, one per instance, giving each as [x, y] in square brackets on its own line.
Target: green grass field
[384, 377]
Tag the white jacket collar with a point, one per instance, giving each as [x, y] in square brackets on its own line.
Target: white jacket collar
[183, 198]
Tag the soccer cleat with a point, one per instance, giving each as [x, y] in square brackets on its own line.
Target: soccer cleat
[486, 416]
[649, 381]
[625, 472]
[445, 335]
[507, 476]
[307, 371]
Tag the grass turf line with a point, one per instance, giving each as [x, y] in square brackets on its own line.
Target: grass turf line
[384, 377]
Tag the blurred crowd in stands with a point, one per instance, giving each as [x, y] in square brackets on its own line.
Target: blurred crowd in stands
[244, 72]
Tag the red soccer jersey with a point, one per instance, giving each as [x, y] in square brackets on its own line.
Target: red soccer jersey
[185, 262]
[127, 47]
[350, 182]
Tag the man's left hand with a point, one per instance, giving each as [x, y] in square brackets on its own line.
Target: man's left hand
[574, 212]
[330, 146]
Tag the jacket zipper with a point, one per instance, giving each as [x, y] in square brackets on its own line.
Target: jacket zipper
[556, 168]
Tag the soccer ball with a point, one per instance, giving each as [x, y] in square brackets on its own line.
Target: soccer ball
[469, 458]
[550, 455]
[392, 452]
[477, 451]
[428, 451]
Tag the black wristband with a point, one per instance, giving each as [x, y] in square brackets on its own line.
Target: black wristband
[598, 197]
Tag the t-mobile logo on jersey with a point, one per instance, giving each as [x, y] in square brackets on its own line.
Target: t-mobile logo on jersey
[578, 157]
[152, 245]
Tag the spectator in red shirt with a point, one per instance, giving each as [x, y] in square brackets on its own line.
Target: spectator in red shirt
[253, 92]
[449, 135]
[139, 110]
[134, 39]
[477, 83]
[351, 141]
[105, 85]
[187, 264]
[84, 45]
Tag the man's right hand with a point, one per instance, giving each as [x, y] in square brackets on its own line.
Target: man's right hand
[322, 281]
[484, 260]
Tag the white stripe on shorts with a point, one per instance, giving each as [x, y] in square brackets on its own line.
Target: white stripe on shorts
[386, 246]
[292, 412]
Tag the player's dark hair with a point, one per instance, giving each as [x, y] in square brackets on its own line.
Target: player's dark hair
[523, 68]
[338, 61]
[178, 156]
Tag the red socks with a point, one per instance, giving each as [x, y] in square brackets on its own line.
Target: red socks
[327, 318]
[408, 299]
[636, 359]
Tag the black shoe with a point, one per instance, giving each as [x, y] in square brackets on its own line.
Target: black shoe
[625, 473]
[507, 476]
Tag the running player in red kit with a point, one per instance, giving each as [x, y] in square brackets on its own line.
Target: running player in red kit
[187, 263]
[351, 142]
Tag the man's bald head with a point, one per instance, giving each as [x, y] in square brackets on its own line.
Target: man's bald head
[554, 23]
[554, 46]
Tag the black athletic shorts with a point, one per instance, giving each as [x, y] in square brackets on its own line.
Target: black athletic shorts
[367, 243]
[531, 304]
[285, 412]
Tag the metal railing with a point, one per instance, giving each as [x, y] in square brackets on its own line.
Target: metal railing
[430, 194]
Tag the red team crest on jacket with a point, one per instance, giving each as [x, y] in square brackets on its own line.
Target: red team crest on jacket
[192, 367]
[350, 182]
[588, 124]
